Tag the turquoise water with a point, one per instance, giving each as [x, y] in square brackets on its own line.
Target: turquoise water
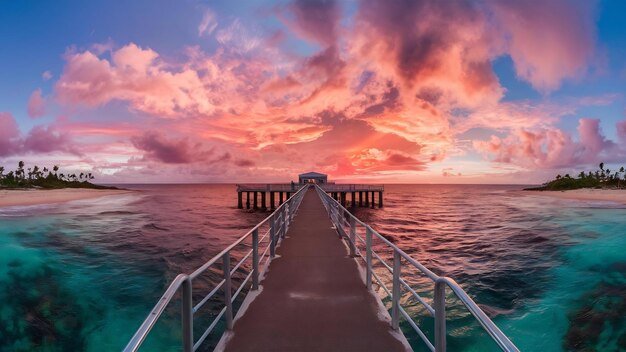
[81, 276]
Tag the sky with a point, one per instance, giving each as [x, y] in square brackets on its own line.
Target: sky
[391, 91]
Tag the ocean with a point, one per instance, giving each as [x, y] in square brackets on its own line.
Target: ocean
[82, 275]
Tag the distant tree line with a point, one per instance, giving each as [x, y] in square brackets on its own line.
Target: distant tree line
[36, 177]
[601, 178]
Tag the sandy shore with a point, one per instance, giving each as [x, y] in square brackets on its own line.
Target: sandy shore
[37, 196]
[609, 195]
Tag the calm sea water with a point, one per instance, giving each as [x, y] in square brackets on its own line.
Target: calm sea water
[81, 276]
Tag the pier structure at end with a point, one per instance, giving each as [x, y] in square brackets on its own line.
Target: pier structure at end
[271, 195]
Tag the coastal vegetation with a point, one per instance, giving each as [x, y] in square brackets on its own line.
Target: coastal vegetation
[601, 178]
[45, 178]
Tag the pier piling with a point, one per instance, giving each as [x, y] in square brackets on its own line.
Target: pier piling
[239, 200]
[272, 206]
[256, 206]
[380, 199]
[247, 200]
[263, 201]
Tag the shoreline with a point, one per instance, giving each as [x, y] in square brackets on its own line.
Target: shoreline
[25, 197]
[587, 194]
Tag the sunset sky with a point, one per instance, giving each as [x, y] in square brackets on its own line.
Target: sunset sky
[482, 91]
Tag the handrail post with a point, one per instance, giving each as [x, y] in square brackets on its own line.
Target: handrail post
[227, 291]
[395, 303]
[255, 259]
[368, 257]
[273, 235]
[187, 316]
[285, 220]
[440, 316]
[339, 221]
[352, 237]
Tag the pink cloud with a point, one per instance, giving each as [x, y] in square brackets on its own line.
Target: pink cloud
[39, 139]
[42, 139]
[9, 134]
[547, 40]
[208, 23]
[621, 131]
[36, 104]
[551, 147]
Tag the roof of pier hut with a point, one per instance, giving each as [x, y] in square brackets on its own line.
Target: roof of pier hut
[312, 175]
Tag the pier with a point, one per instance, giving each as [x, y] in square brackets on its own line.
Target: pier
[322, 293]
[314, 299]
[352, 195]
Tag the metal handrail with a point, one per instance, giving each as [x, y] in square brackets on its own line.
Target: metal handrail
[278, 222]
[338, 215]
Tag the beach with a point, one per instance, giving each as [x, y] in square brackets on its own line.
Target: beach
[609, 195]
[42, 196]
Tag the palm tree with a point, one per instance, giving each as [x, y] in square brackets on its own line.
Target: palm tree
[90, 176]
[558, 177]
[20, 169]
[81, 176]
[61, 177]
[1, 171]
[581, 175]
[55, 169]
[36, 171]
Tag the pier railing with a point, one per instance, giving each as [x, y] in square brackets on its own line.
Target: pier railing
[277, 224]
[339, 187]
[347, 228]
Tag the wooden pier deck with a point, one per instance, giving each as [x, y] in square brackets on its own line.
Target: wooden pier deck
[313, 298]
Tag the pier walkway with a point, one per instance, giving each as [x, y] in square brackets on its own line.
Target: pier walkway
[313, 298]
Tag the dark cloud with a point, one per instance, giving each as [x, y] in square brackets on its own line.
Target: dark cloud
[157, 147]
[315, 20]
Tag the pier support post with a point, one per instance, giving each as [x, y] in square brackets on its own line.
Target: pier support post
[353, 199]
[280, 198]
[272, 206]
[373, 200]
[360, 198]
[368, 257]
[263, 201]
[367, 198]
[395, 299]
[239, 200]
[227, 291]
[187, 316]
[256, 196]
[343, 199]
[255, 259]
[247, 200]
[380, 199]
[288, 195]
